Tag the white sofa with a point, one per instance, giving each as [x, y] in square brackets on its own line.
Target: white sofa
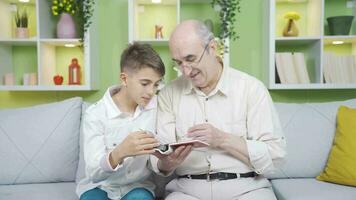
[39, 151]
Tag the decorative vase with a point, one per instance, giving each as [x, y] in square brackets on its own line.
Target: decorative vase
[340, 25]
[66, 26]
[22, 33]
[290, 29]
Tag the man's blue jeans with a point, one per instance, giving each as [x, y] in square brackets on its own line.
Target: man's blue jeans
[135, 194]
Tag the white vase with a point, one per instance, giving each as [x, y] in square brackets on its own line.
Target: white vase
[66, 26]
[22, 33]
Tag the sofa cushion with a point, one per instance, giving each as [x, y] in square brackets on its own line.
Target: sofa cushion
[81, 165]
[309, 130]
[342, 159]
[40, 143]
[311, 189]
[53, 191]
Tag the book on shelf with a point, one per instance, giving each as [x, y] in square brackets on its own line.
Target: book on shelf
[279, 67]
[301, 68]
[339, 68]
[291, 68]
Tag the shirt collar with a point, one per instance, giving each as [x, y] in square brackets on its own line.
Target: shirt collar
[112, 109]
[222, 85]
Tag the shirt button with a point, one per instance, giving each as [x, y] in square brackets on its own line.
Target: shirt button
[206, 120]
[206, 99]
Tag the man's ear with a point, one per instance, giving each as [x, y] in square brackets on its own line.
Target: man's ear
[213, 45]
[123, 78]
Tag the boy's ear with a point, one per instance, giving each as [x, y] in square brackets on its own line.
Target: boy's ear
[123, 78]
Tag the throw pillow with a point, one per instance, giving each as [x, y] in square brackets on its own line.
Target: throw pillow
[340, 167]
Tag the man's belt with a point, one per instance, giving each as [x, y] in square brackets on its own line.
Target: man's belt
[220, 176]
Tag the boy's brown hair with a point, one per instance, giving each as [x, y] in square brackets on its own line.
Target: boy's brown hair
[137, 56]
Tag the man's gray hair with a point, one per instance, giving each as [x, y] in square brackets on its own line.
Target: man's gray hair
[204, 33]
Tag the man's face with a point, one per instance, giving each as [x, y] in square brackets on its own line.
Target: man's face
[142, 85]
[194, 61]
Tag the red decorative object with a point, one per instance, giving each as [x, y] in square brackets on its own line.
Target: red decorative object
[58, 79]
[158, 32]
[74, 73]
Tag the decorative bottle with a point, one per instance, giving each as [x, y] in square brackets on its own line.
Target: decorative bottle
[74, 73]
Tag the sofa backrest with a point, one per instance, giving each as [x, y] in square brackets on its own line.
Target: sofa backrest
[81, 165]
[40, 143]
[309, 130]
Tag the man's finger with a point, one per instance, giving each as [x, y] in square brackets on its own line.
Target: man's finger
[197, 133]
[197, 127]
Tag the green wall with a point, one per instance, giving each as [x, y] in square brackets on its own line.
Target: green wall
[245, 54]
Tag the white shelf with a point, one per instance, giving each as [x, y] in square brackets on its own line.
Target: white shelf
[296, 38]
[313, 86]
[154, 42]
[137, 9]
[61, 42]
[44, 88]
[47, 54]
[311, 41]
[19, 42]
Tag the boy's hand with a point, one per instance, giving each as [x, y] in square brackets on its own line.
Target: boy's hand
[136, 143]
[168, 163]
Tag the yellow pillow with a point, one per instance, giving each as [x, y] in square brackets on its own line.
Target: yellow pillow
[341, 166]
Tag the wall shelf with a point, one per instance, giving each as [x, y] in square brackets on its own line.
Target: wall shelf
[144, 15]
[43, 53]
[314, 41]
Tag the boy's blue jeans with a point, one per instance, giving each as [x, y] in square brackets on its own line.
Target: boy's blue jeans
[135, 194]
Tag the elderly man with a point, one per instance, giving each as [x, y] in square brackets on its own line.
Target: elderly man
[228, 109]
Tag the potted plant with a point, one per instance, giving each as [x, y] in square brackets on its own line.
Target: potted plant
[65, 9]
[340, 25]
[21, 21]
[227, 15]
[81, 10]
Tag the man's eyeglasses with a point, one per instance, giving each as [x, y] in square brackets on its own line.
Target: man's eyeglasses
[190, 61]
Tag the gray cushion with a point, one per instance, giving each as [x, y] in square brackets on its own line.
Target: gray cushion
[81, 165]
[309, 130]
[52, 191]
[311, 189]
[40, 143]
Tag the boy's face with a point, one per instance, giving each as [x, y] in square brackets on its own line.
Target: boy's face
[142, 85]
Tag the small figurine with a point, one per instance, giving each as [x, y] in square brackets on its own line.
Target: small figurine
[158, 32]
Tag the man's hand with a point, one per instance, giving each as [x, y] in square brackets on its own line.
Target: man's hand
[233, 144]
[168, 163]
[207, 133]
[136, 143]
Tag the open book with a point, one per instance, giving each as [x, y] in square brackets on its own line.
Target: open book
[168, 148]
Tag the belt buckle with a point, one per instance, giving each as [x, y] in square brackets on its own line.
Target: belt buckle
[238, 175]
[208, 177]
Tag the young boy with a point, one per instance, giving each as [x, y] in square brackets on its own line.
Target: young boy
[116, 137]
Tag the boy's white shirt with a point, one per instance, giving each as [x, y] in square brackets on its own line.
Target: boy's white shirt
[104, 127]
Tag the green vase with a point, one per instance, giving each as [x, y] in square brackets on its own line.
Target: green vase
[340, 25]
